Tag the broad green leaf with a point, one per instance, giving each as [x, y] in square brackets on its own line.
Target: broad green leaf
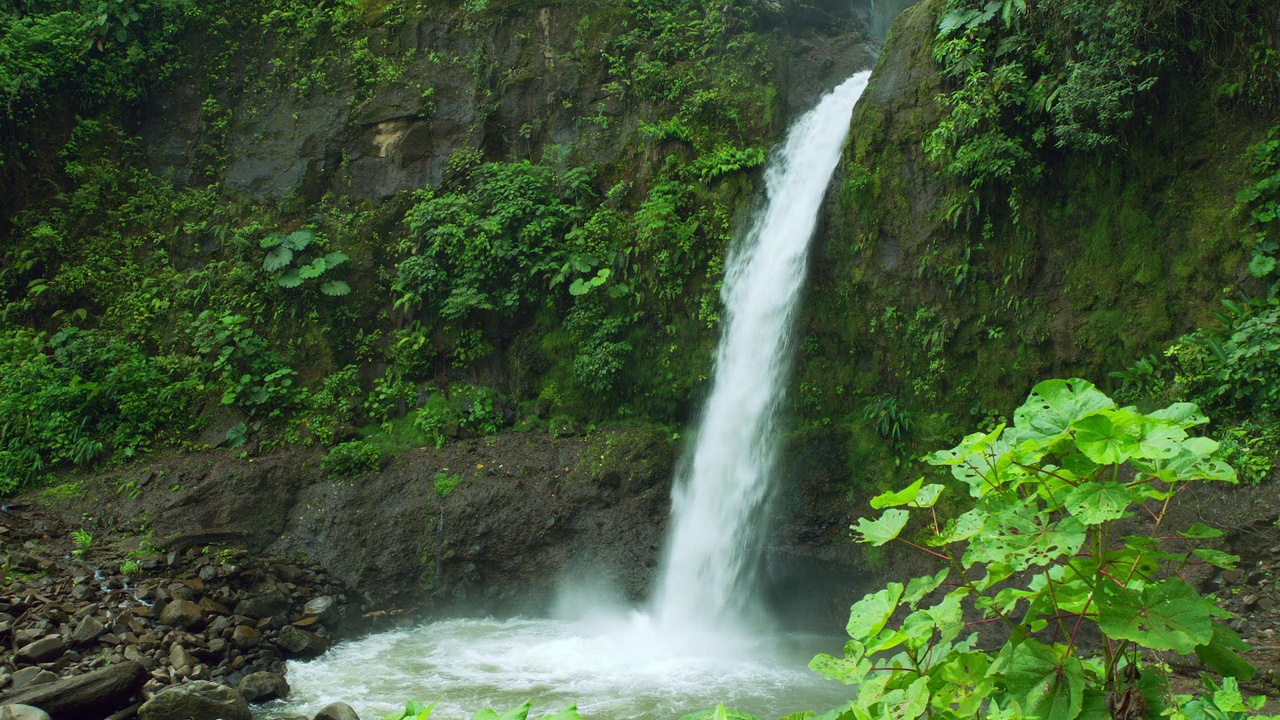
[1099, 502]
[1159, 439]
[517, 713]
[1020, 536]
[1044, 684]
[335, 288]
[914, 495]
[1222, 653]
[1055, 404]
[850, 671]
[276, 259]
[917, 588]
[1169, 615]
[313, 269]
[965, 684]
[1183, 414]
[879, 532]
[272, 240]
[334, 259]
[1217, 558]
[290, 279]
[806, 715]
[1200, 531]
[299, 240]
[1107, 438]
[868, 616]
[969, 523]
[948, 617]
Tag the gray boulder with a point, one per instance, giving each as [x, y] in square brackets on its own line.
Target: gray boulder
[297, 642]
[90, 696]
[336, 711]
[263, 686]
[46, 649]
[22, 712]
[183, 614]
[199, 700]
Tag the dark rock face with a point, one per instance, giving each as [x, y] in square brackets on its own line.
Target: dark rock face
[371, 145]
[196, 701]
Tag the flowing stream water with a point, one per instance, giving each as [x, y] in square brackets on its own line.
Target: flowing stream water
[703, 641]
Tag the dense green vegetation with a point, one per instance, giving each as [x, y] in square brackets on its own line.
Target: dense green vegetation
[143, 304]
[1061, 189]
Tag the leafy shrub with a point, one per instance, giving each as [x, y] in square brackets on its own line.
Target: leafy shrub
[352, 458]
[1036, 554]
[462, 410]
[78, 396]
[445, 483]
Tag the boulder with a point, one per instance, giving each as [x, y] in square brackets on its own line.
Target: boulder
[179, 658]
[297, 642]
[263, 686]
[183, 614]
[46, 649]
[272, 601]
[88, 630]
[31, 676]
[336, 711]
[324, 607]
[22, 712]
[84, 697]
[199, 700]
[245, 637]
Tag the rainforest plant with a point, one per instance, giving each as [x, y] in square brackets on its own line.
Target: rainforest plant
[1066, 548]
[295, 269]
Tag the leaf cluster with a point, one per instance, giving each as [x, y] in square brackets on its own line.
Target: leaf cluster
[1038, 553]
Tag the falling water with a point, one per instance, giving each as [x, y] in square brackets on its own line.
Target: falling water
[617, 662]
[721, 498]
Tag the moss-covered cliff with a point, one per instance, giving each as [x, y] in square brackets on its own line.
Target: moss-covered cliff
[940, 296]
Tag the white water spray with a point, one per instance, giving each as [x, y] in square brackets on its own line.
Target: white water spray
[720, 501]
[626, 665]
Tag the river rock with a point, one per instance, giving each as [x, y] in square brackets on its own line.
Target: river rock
[46, 649]
[31, 676]
[323, 607]
[199, 700]
[180, 659]
[183, 614]
[88, 630]
[22, 712]
[336, 711]
[263, 686]
[245, 637]
[298, 642]
[87, 697]
[264, 604]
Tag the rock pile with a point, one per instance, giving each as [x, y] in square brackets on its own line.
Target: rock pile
[79, 641]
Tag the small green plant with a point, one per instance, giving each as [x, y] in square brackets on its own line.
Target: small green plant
[890, 420]
[1041, 553]
[295, 269]
[413, 710]
[82, 541]
[352, 458]
[445, 483]
[131, 568]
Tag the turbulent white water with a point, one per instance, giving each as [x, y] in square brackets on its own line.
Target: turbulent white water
[719, 504]
[611, 667]
[695, 649]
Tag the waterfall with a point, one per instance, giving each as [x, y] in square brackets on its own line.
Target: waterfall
[721, 496]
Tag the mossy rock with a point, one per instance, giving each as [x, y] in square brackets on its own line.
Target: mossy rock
[631, 459]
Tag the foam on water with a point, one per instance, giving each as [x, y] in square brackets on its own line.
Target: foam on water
[611, 667]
